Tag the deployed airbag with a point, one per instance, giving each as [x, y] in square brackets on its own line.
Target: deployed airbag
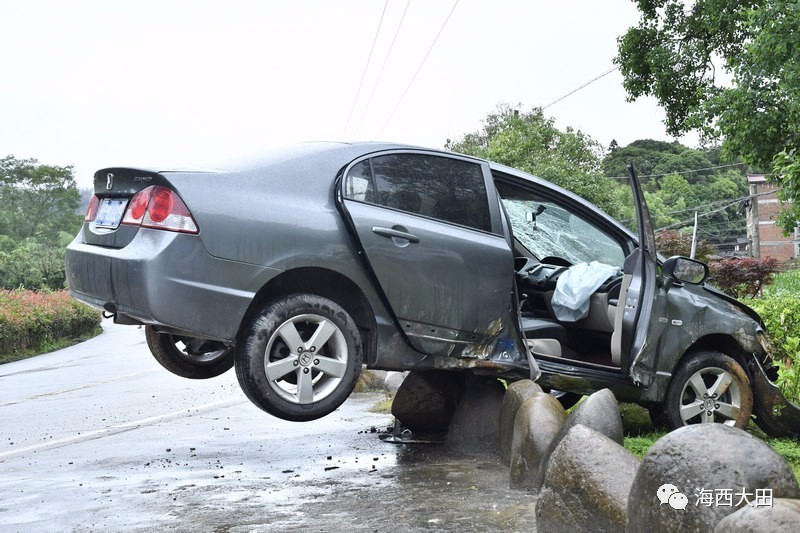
[575, 287]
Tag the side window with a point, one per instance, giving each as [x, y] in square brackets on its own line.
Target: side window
[358, 184]
[446, 189]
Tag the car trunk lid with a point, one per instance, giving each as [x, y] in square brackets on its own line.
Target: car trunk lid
[107, 219]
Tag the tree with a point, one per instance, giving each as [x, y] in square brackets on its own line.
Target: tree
[671, 243]
[531, 142]
[672, 55]
[38, 218]
[37, 201]
[678, 181]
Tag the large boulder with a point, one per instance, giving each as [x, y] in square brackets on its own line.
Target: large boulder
[587, 484]
[476, 422]
[598, 411]
[516, 393]
[539, 419]
[781, 515]
[426, 400]
[684, 472]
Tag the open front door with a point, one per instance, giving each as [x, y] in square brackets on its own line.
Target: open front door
[642, 321]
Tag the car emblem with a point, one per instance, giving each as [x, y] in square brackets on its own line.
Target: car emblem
[109, 181]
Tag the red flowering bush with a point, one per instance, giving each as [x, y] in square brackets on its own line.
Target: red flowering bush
[744, 276]
[29, 319]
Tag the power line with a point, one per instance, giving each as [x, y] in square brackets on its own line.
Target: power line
[703, 206]
[706, 214]
[573, 91]
[678, 172]
[366, 66]
[414, 77]
[728, 203]
[731, 201]
[385, 60]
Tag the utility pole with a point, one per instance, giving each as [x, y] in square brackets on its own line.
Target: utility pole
[753, 232]
[694, 238]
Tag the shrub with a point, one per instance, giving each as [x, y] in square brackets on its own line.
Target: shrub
[30, 320]
[743, 276]
[779, 308]
[786, 283]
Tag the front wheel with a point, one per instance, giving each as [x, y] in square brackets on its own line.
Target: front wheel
[189, 357]
[708, 387]
[299, 358]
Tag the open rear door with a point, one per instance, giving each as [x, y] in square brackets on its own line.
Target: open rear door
[642, 321]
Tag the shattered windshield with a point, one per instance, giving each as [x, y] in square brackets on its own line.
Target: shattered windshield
[547, 229]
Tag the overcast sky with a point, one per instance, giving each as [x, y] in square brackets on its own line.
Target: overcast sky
[177, 84]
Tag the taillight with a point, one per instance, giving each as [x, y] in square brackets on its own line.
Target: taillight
[161, 204]
[160, 208]
[91, 211]
[137, 207]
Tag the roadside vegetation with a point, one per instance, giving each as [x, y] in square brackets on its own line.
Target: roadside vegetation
[640, 436]
[779, 307]
[39, 216]
[37, 322]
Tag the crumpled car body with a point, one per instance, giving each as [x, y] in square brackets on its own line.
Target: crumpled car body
[299, 267]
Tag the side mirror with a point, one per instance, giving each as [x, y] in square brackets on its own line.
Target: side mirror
[685, 270]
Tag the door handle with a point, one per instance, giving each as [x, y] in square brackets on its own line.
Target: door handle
[395, 234]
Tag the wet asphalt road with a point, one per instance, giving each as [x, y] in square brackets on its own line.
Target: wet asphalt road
[98, 437]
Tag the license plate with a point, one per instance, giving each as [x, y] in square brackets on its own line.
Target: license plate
[110, 213]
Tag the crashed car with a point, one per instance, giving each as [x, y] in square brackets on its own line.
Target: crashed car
[302, 266]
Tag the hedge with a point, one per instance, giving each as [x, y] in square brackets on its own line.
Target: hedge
[30, 320]
[779, 307]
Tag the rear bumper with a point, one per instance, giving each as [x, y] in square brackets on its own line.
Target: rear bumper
[166, 279]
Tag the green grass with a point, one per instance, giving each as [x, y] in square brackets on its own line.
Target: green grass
[640, 436]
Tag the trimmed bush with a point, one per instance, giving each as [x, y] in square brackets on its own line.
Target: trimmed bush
[30, 320]
[779, 307]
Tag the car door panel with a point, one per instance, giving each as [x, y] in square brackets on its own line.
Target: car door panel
[443, 282]
[430, 232]
[644, 318]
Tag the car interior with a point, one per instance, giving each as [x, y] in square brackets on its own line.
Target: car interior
[592, 340]
[589, 340]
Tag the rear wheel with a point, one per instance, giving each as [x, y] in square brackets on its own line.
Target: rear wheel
[708, 387]
[299, 358]
[189, 357]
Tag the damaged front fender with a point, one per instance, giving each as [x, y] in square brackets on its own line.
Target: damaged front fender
[776, 415]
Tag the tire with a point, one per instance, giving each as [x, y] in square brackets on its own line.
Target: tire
[710, 373]
[305, 382]
[189, 357]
